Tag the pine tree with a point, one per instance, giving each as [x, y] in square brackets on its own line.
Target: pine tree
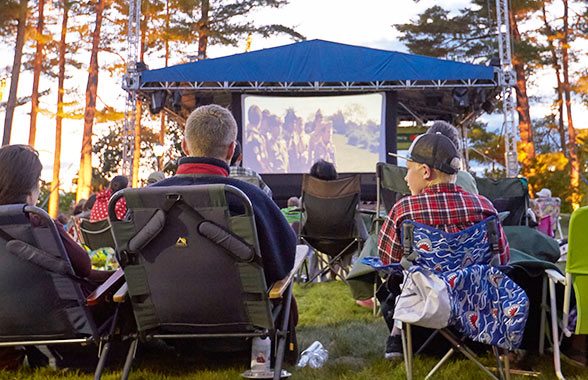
[39, 39]
[85, 174]
[470, 36]
[15, 75]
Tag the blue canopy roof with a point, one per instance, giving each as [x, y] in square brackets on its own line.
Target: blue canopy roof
[322, 61]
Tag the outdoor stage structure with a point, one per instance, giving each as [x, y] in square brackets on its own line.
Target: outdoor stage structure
[415, 88]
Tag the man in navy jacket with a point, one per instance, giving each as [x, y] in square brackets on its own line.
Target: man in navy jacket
[209, 143]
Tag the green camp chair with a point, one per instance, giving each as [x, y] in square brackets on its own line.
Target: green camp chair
[507, 194]
[576, 276]
[188, 236]
[42, 299]
[96, 235]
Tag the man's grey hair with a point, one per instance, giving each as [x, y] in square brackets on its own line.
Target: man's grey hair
[209, 131]
[447, 130]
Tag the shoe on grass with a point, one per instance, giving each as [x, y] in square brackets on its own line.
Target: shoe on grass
[393, 347]
[368, 304]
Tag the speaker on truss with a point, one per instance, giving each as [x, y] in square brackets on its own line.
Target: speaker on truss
[461, 98]
[177, 101]
[157, 101]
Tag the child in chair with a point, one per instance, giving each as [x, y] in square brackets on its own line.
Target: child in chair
[435, 200]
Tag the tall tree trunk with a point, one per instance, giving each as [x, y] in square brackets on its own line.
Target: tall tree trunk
[85, 176]
[54, 196]
[14, 76]
[137, 148]
[572, 153]
[203, 29]
[559, 88]
[37, 74]
[527, 147]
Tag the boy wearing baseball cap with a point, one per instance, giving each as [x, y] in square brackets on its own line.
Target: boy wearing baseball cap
[435, 200]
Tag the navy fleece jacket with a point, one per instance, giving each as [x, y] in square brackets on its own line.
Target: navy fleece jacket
[276, 238]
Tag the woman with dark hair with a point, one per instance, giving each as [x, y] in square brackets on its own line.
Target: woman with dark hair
[20, 174]
[323, 170]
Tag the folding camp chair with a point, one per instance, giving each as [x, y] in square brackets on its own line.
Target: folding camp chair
[188, 235]
[96, 235]
[482, 303]
[576, 276]
[507, 194]
[41, 297]
[391, 185]
[331, 222]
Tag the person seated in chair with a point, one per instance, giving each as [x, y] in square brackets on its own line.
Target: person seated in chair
[238, 170]
[100, 209]
[20, 175]
[209, 144]
[435, 200]
[324, 170]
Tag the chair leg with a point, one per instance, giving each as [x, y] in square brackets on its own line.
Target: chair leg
[106, 349]
[429, 339]
[440, 363]
[543, 316]
[464, 350]
[129, 360]
[282, 334]
[102, 361]
[499, 362]
[406, 352]
[506, 366]
[554, 332]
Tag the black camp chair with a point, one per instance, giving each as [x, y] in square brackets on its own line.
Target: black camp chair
[391, 185]
[96, 235]
[187, 235]
[507, 194]
[331, 222]
[41, 297]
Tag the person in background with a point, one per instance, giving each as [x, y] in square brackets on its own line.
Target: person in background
[86, 210]
[155, 177]
[324, 170]
[292, 213]
[79, 207]
[100, 209]
[464, 178]
[237, 170]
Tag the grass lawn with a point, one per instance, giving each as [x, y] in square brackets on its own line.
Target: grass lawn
[354, 338]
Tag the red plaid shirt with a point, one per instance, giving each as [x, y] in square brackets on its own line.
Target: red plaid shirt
[446, 207]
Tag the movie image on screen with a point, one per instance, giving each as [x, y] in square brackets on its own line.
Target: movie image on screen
[288, 134]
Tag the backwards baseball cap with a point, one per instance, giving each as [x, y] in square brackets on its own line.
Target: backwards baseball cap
[435, 150]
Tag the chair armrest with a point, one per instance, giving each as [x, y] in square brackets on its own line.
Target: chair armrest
[279, 287]
[109, 285]
[121, 294]
[555, 276]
